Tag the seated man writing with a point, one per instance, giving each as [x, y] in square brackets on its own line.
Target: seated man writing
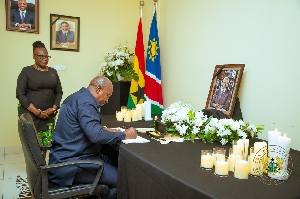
[79, 135]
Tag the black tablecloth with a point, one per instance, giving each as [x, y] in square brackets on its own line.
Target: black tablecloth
[156, 171]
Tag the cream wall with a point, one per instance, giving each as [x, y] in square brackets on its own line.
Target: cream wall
[102, 23]
[195, 35]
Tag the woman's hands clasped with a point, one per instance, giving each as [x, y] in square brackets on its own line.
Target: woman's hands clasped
[46, 113]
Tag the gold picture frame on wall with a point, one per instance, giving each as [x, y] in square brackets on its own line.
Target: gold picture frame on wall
[224, 88]
[22, 15]
[64, 32]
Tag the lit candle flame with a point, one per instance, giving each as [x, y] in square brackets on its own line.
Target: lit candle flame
[276, 130]
[285, 135]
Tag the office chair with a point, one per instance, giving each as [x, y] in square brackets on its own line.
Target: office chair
[37, 169]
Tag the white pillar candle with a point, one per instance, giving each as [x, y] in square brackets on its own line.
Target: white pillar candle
[237, 149]
[240, 142]
[134, 115]
[127, 117]
[260, 148]
[123, 110]
[143, 110]
[207, 161]
[272, 140]
[284, 142]
[119, 116]
[282, 152]
[246, 147]
[231, 161]
[238, 157]
[255, 164]
[139, 111]
[221, 167]
[241, 170]
[147, 111]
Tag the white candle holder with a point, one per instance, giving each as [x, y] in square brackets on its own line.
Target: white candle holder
[217, 151]
[221, 166]
[241, 168]
[119, 115]
[207, 159]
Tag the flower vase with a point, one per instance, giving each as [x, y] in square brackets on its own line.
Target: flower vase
[120, 78]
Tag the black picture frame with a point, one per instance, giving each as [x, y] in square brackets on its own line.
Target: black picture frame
[221, 97]
[14, 21]
[59, 41]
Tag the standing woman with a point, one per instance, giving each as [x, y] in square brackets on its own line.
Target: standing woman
[39, 92]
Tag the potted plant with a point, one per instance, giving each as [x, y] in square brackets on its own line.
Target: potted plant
[117, 66]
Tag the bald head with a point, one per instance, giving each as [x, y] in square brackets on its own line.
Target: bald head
[101, 88]
[100, 81]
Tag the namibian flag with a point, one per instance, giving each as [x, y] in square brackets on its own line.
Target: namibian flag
[136, 95]
[153, 88]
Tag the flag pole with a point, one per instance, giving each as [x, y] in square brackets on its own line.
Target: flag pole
[142, 3]
[155, 4]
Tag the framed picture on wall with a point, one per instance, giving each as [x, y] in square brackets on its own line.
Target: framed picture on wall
[64, 32]
[22, 15]
[224, 87]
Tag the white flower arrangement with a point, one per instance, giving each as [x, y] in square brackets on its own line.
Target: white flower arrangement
[182, 119]
[118, 63]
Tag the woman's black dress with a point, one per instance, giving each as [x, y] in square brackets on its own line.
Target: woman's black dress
[42, 89]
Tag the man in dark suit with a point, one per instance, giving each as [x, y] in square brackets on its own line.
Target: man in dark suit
[65, 36]
[222, 97]
[22, 17]
[79, 135]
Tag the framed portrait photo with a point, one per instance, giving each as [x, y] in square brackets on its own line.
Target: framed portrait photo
[22, 15]
[64, 32]
[224, 88]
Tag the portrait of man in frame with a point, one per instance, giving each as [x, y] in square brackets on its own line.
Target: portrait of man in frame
[22, 15]
[64, 32]
[224, 88]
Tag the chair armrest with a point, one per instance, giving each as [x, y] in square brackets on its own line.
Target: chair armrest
[45, 169]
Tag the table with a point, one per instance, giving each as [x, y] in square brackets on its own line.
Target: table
[152, 170]
[172, 171]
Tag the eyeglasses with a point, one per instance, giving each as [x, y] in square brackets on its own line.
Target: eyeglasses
[43, 56]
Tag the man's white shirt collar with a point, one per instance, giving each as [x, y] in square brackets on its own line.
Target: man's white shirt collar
[22, 11]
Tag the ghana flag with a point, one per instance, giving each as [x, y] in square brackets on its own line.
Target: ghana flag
[136, 95]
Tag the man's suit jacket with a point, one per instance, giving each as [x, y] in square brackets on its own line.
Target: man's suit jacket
[221, 98]
[61, 38]
[78, 135]
[16, 18]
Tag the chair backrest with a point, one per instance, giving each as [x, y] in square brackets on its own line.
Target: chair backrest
[32, 152]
